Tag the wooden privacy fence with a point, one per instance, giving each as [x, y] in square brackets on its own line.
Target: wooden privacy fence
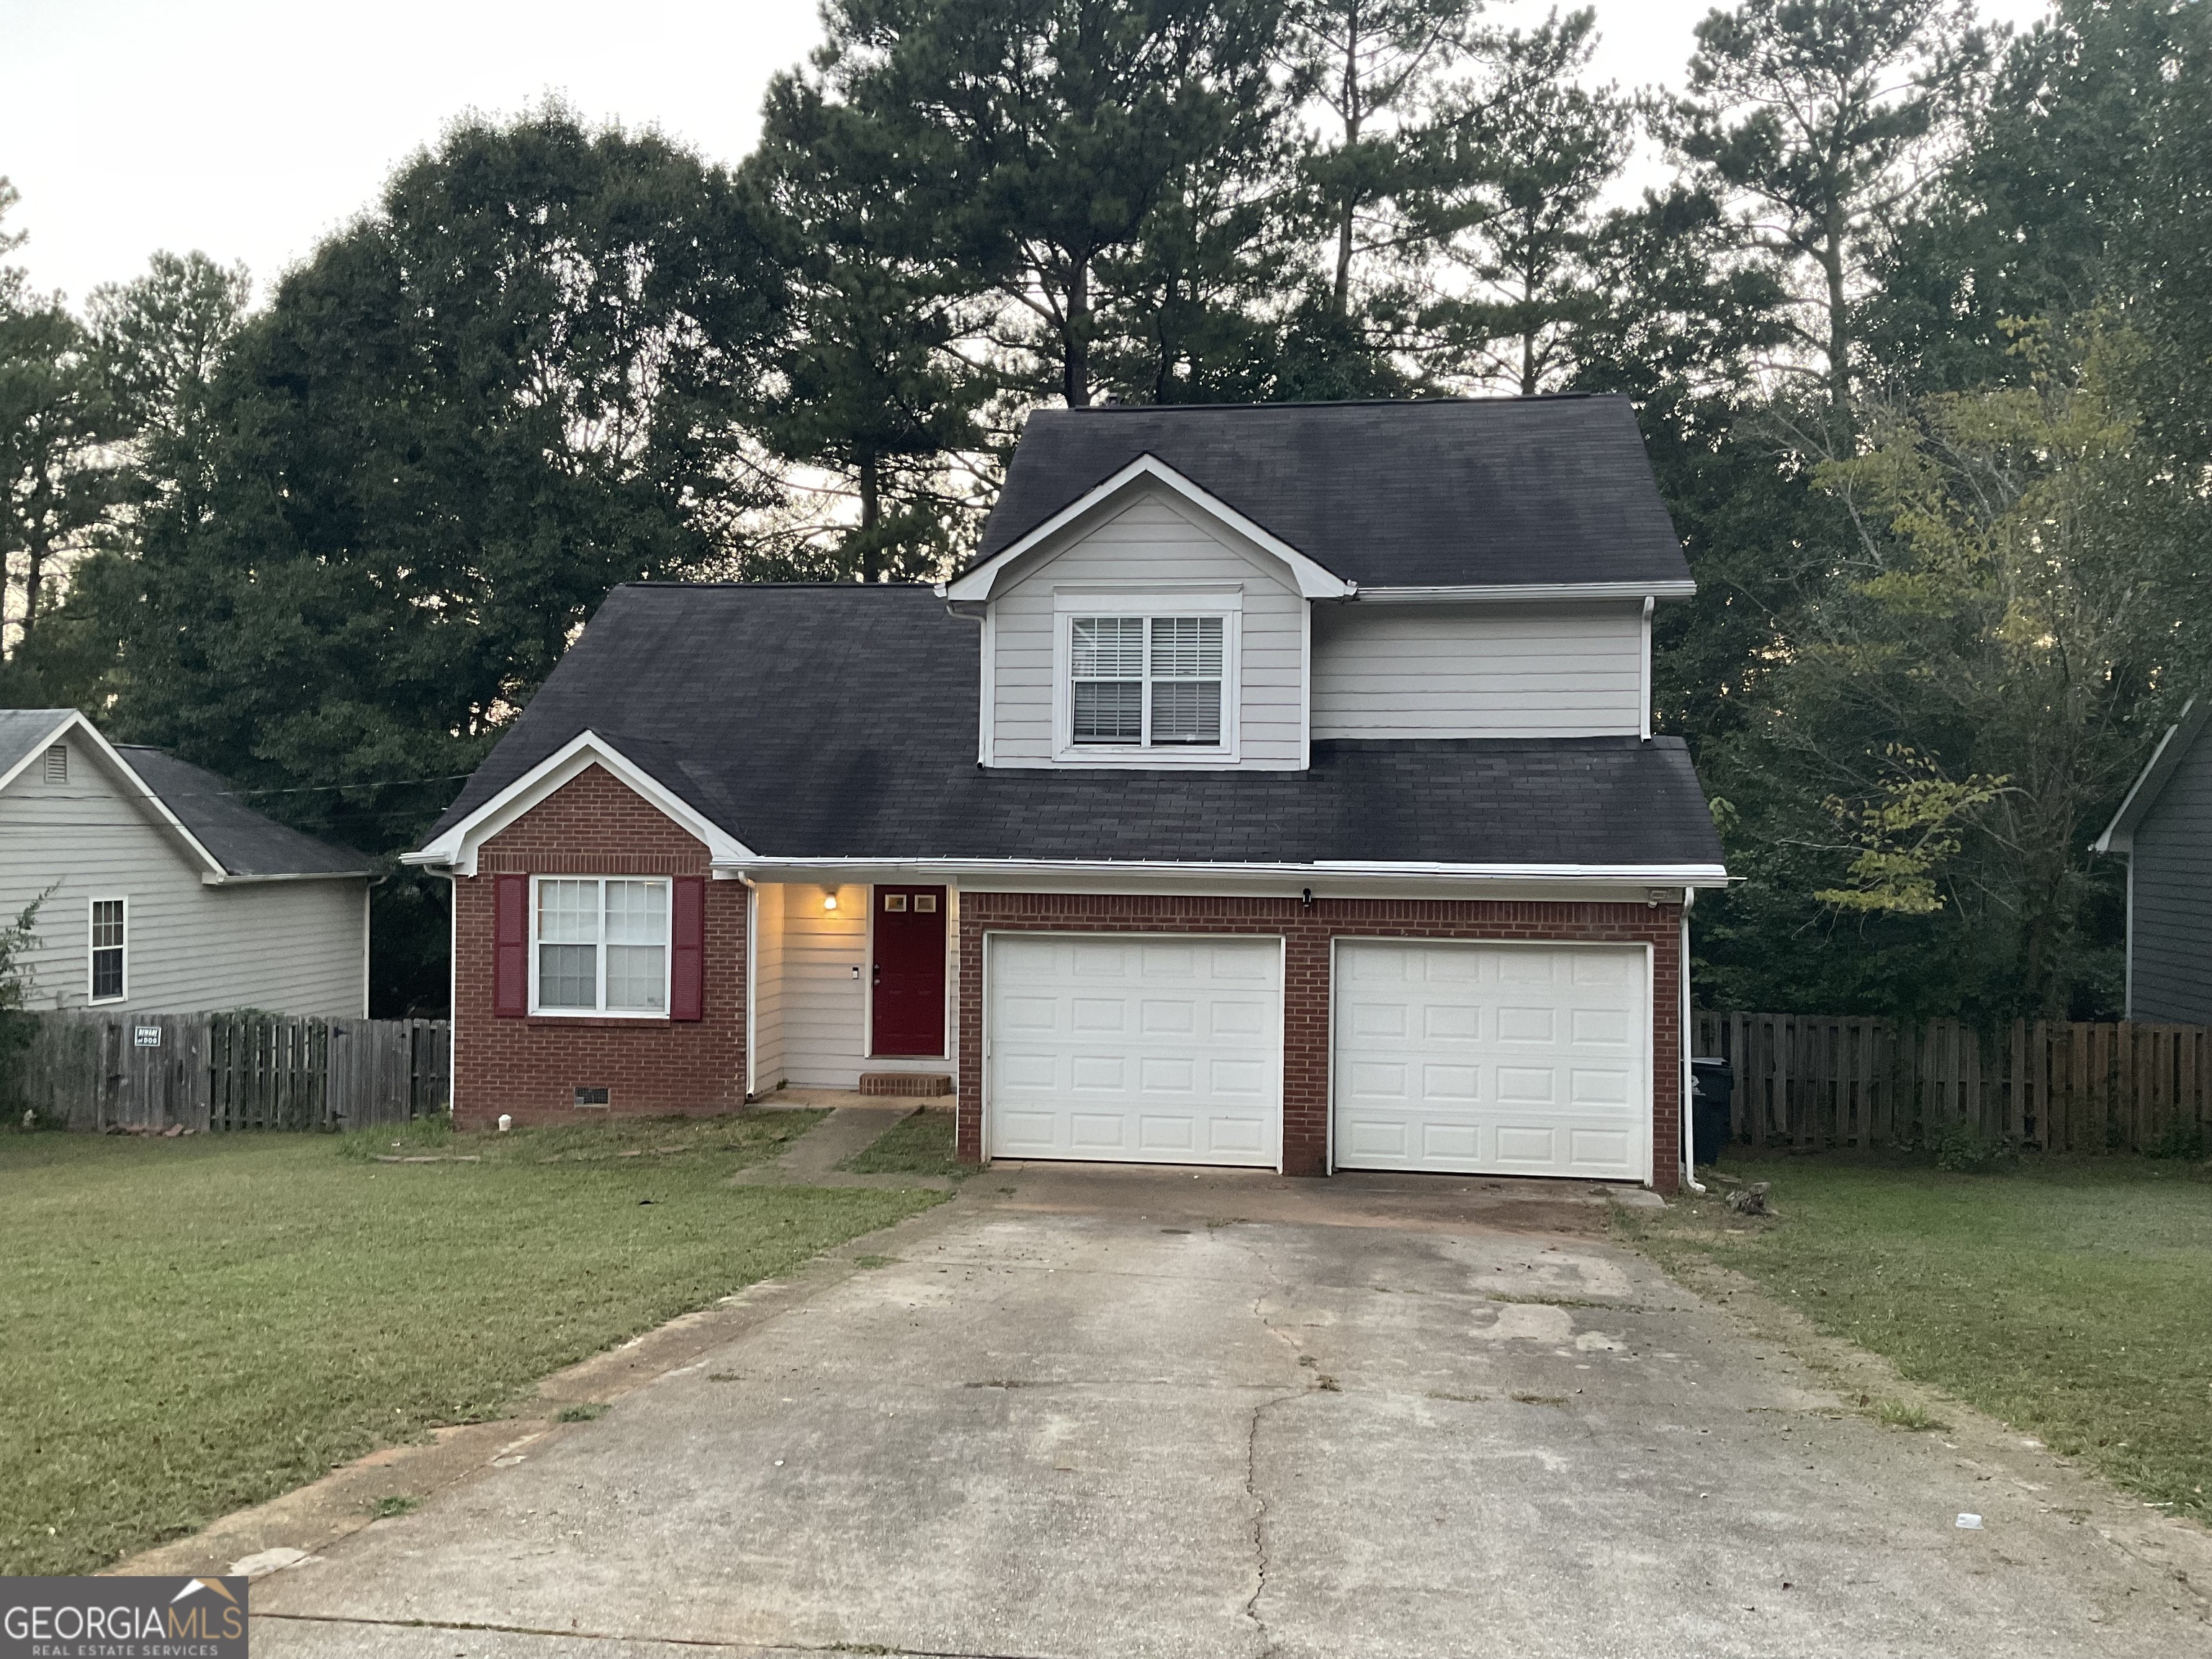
[1820, 1080]
[98, 1070]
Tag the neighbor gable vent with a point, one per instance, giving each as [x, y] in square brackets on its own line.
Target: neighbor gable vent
[57, 763]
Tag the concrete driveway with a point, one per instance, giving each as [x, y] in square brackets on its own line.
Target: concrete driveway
[1108, 1413]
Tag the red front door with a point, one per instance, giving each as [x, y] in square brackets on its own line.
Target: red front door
[909, 1013]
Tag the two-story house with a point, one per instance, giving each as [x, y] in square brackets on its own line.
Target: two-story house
[1276, 787]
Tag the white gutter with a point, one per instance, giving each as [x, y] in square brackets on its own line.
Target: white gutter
[1638, 875]
[229, 880]
[1513, 592]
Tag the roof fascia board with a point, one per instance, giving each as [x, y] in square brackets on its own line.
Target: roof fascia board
[113, 758]
[457, 847]
[1335, 872]
[2150, 783]
[227, 880]
[1524, 593]
[1314, 581]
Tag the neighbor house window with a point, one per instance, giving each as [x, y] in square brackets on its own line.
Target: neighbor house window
[107, 947]
[601, 945]
[1147, 681]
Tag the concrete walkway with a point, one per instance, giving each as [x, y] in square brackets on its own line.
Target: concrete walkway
[1130, 1413]
[853, 1124]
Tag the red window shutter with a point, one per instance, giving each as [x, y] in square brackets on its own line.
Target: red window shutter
[687, 963]
[510, 977]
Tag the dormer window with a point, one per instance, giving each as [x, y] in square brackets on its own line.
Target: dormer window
[1154, 682]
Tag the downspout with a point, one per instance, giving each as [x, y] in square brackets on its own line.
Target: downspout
[453, 992]
[752, 972]
[1686, 1131]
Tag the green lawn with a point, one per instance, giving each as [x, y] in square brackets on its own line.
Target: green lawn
[197, 1324]
[2070, 1298]
[920, 1145]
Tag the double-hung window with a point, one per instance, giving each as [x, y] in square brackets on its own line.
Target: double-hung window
[107, 947]
[1146, 681]
[601, 945]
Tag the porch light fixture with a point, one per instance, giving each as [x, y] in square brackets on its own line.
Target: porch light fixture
[828, 898]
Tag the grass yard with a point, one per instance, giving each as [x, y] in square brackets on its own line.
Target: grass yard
[2070, 1298]
[920, 1145]
[197, 1324]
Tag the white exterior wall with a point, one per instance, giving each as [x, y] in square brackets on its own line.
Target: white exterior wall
[810, 1018]
[823, 1008]
[1499, 671]
[1154, 539]
[768, 987]
[292, 947]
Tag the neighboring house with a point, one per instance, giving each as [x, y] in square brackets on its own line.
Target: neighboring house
[163, 892]
[2164, 830]
[1276, 787]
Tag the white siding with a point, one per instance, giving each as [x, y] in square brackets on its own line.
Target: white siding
[823, 1007]
[2170, 918]
[289, 947]
[1154, 539]
[1508, 671]
[811, 1020]
[768, 987]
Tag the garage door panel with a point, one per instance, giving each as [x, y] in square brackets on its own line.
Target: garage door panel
[1450, 1141]
[1154, 1050]
[1593, 1028]
[1030, 1071]
[1444, 1022]
[1107, 1073]
[1098, 1131]
[1098, 1013]
[1529, 1025]
[1474, 1058]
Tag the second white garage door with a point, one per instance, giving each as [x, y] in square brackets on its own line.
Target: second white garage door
[1134, 1049]
[1493, 1059]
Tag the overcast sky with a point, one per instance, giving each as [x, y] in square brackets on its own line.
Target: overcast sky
[250, 128]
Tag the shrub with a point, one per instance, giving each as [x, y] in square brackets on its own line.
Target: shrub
[2182, 1141]
[16, 939]
[1962, 1147]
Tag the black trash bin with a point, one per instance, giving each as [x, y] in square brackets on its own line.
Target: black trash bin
[1712, 1083]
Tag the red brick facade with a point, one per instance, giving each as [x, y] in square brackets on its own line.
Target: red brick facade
[1306, 933]
[531, 1067]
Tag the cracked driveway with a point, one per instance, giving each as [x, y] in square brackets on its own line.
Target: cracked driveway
[1109, 1413]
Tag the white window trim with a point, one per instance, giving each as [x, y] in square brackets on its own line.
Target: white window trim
[92, 910]
[602, 1011]
[1150, 600]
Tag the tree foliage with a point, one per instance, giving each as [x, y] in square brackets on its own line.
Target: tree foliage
[1915, 332]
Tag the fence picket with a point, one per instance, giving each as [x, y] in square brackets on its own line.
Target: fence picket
[1809, 1081]
[85, 1068]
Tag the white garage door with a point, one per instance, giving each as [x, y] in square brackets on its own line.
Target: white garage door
[1135, 1049]
[1493, 1059]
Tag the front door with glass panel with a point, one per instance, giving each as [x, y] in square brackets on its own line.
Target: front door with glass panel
[907, 1011]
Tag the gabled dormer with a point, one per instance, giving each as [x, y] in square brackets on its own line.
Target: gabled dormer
[1217, 587]
[1146, 623]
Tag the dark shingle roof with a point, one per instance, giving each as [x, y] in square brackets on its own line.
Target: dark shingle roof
[23, 730]
[840, 722]
[242, 841]
[1446, 493]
